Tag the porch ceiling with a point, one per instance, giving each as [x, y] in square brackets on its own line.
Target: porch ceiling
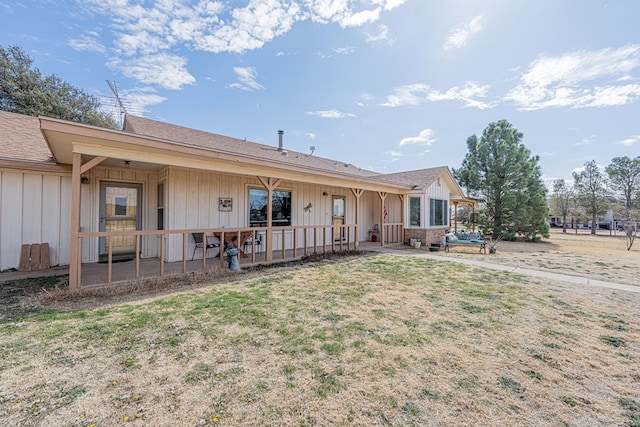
[147, 153]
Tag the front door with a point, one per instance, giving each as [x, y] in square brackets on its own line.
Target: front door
[338, 216]
[120, 210]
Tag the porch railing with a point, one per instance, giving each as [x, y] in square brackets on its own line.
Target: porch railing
[284, 244]
[393, 233]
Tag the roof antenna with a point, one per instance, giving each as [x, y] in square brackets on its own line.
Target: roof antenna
[113, 85]
[312, 148]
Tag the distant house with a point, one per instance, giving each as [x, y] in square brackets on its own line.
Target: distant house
[95, 194]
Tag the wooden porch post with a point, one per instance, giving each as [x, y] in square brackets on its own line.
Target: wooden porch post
[402, 213]
[74, 244]
[455, 216]
[75, 247]
[383, 196]
[270, 184]
[357, 192]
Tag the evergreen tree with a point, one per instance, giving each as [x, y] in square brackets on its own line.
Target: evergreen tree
[591, 192]
[24, 90]
[501, 170]
[624, 177]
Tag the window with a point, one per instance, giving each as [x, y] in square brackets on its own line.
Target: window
[438, 212]
[161, 206]
[414, 211]
[281, 209]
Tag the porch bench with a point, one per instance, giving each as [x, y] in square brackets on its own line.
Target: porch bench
[465, 238]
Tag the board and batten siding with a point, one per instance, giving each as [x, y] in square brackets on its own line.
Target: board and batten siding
[34, 208]
[437, 190]
[191, 202]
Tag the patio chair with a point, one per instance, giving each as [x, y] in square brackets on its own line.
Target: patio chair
[249, 242]
[203, 244]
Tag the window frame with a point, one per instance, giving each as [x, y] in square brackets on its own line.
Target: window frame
[433, 207]
[261, 221]
[409, 210]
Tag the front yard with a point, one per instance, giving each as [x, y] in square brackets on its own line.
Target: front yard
[374, 340]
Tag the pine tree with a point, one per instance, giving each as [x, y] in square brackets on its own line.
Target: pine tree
[501, 170]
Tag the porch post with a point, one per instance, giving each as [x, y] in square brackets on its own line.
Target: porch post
[383, 196]
[455, 216]
[357, 192]
[74, 244]
[402, 213]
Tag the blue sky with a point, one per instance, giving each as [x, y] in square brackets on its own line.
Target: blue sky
[387, 85]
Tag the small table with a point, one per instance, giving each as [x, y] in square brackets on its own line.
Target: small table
[232, 237]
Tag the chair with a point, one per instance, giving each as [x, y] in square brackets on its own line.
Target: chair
[249, 242]
[202, 244]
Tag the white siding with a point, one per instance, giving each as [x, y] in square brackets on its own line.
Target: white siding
[31, 212]
[438, 190]
[192, 202]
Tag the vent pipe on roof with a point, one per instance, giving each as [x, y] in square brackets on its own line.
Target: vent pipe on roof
[280, 143]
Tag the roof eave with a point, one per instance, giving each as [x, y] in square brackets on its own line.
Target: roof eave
[64, 138]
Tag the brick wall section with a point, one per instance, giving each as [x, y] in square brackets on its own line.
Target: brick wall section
[426, 236]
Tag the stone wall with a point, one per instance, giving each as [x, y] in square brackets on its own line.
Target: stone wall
[426, 236]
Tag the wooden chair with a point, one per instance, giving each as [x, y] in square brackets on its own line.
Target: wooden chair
[203, 244]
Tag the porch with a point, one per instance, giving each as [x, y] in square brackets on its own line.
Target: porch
[283, 244]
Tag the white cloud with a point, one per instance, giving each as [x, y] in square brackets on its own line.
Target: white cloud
[87, 43]
[383, 35]
[330, 114]
[425, 138]
[135, 101]
[394, 155]
[246, 79]
[579, 79]
[356, 19]
[416, 94]
[344, 50]
[410, 95]
[460, 35]
[586, 141]
[147, 31]
[310, 135]
[165, 70]
[631, 141]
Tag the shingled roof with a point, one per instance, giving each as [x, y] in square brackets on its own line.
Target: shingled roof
[198, 138]
[420, 179]
[21, 139]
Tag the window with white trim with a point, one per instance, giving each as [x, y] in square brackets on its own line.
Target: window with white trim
[438, 213]
[415, 204]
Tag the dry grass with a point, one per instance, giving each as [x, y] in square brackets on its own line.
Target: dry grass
[601, 257]
[374, 340]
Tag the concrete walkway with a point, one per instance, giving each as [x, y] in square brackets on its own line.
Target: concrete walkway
[510, 269]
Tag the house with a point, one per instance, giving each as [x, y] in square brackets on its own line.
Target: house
[94, 195]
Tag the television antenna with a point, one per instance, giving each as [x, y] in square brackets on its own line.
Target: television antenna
[113, 85]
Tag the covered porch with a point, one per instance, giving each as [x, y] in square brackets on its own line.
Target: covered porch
[99, 274]
[176, 190]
